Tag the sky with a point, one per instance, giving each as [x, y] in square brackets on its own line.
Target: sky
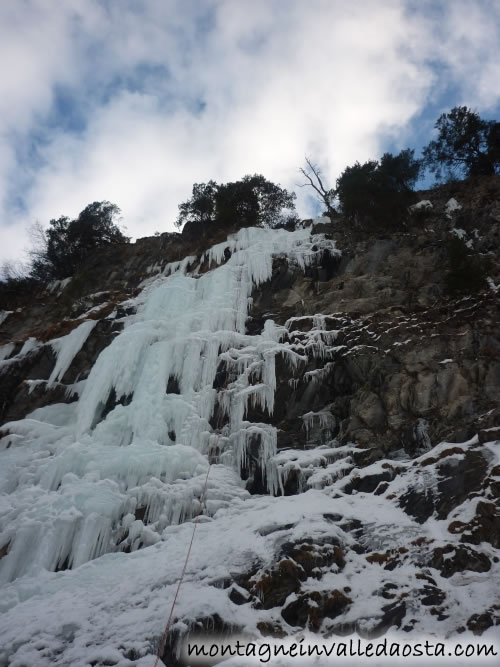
[133, 101]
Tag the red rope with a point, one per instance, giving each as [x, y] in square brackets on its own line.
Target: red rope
[167, 627]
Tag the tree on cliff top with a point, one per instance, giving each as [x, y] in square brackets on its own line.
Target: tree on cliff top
[466, 146]
[379, 192]
[66, 242]
[253, 200]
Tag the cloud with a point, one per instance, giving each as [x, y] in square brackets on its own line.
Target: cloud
[135, 101]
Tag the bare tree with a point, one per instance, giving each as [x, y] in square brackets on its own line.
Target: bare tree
[313, 175]
[38, 241]
[13, 270]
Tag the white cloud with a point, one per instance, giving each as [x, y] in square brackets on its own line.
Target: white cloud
[244, 87]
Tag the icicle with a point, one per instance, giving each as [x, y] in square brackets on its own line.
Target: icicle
[322, 421]
[6, 350]
[66, 348]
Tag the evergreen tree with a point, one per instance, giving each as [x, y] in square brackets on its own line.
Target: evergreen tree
[252, 200]
[379, 192]
[68, 242]
[466, 146]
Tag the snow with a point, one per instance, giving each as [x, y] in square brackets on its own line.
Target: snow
[451, 206]
[460, 233]
[423, 204]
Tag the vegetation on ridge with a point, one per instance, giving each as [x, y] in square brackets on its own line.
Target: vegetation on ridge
[376, 194]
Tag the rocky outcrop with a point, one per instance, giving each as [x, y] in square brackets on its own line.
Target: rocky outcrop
[409, 366]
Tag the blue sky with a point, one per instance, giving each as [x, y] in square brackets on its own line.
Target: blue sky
[133, 101]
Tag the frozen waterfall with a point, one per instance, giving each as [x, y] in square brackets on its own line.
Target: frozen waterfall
[113, 470]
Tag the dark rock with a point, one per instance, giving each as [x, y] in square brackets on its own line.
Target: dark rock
[309, 610]
[431, 596]
[478, 623]
[389, 559]
[239, 597]
[221, 377]
[368, 483]
[173, 385]
[16, 401]
[111, 402]
[484, 527]
[418, 504]
[254, 325]
[100, 337]
[458, 480]
[268, 629]
[452, 559]
[392, 616]
[487, 435]
[381, 488]
[275, 585]
[28, 398]
[312, 556]
[415, 439]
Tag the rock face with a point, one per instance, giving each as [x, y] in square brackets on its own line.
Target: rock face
[387, 424]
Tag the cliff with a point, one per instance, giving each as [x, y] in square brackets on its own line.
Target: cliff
[341, 396]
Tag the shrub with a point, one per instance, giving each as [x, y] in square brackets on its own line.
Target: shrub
[253, 200]
[466, 146]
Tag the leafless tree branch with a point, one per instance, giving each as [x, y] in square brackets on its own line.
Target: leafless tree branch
[313, 175]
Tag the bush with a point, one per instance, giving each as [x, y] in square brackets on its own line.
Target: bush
[68, 242]
[253, 201]
[466, 146]
[379, 192]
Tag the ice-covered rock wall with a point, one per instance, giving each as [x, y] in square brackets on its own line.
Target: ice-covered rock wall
[347, 408]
